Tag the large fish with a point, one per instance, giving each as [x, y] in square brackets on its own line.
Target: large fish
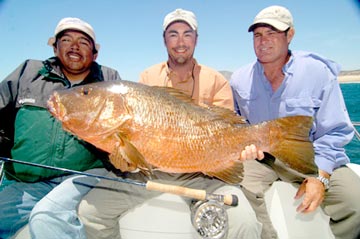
[147, 128]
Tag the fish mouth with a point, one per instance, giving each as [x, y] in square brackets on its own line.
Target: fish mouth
[55, 107]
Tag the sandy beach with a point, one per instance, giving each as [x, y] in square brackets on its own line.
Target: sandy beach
[349, 78]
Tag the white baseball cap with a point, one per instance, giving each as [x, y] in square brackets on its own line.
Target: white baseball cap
[181, 15]
[72, 23]
[276, 16]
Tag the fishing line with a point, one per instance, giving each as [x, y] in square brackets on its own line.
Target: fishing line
[357, 134]
[122, 180]
[1, 172]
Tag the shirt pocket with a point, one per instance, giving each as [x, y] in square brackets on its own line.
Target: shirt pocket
[243, 102]
[302, 106]
[244, 98]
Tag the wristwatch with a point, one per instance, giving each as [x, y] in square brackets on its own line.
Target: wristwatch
[324, 181]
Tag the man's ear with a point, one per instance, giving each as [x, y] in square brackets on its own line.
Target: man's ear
[164, 39]
[290, 35]
[55, 49]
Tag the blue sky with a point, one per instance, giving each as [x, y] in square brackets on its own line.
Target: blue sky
[130, 31]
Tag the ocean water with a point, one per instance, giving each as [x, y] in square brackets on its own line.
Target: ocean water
[351, 93]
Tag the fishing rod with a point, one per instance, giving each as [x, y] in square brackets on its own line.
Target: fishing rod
[230, 200]
[208, 215]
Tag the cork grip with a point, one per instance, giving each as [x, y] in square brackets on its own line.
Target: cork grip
[230, 200]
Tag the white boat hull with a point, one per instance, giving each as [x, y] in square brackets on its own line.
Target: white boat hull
[167, 216]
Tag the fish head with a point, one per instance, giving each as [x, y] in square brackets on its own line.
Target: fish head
[89, 110]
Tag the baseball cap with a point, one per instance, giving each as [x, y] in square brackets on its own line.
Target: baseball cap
[72, 23]
[276, 16]
[181, 15]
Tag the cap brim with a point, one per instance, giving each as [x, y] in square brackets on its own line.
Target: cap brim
[180, 20]
[272, 22]
[52, 40]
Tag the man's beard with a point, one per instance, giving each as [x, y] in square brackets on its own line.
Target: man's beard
[181, 60]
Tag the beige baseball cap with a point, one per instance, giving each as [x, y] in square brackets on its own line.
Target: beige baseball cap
[72, 23]
[181, 15]
[276, 16]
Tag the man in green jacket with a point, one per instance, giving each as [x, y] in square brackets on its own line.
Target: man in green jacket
[28, 132]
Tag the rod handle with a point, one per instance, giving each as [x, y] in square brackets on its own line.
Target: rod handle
[231, 200]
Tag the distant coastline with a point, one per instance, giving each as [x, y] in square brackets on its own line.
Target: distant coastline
[349, 78]
[344, 76]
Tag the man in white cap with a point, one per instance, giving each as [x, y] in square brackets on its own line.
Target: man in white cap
[100, 211]
[285, 83]
[29, 133]
[181, 70]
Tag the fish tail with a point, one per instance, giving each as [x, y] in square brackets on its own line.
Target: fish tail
[290, 143]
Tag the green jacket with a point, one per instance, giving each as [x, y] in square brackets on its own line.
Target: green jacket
[33, 134]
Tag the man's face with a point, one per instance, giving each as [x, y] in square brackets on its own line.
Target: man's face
[270, 44]
[180, 41]
[75, 51]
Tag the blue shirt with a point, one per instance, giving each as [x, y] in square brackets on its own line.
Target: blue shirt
[310, 87]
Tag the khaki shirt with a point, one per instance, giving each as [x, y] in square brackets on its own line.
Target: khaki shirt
[203, 84]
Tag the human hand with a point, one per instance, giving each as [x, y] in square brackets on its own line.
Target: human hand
[314, 192]
[250, 152]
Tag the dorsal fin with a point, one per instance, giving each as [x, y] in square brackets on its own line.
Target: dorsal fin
[223, 113]
[228, 115]
[179, 94]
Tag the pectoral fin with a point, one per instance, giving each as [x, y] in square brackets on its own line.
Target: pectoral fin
[127, 158]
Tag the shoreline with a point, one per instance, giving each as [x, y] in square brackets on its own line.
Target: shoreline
[345, 79]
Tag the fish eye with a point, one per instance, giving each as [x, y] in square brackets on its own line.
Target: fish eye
[85, 91]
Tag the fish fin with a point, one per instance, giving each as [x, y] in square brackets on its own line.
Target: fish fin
[126, 157]
[290, 143]
[120, 163]
[230, 175]
[227, 115]
[179, 94]
[223, 113]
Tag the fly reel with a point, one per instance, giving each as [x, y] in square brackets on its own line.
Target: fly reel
[209, 219]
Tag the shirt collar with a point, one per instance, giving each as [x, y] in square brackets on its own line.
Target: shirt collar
[171, 74]
[52, 69]
[287, 68]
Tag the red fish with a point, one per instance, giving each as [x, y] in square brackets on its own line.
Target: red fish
[148, 128]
